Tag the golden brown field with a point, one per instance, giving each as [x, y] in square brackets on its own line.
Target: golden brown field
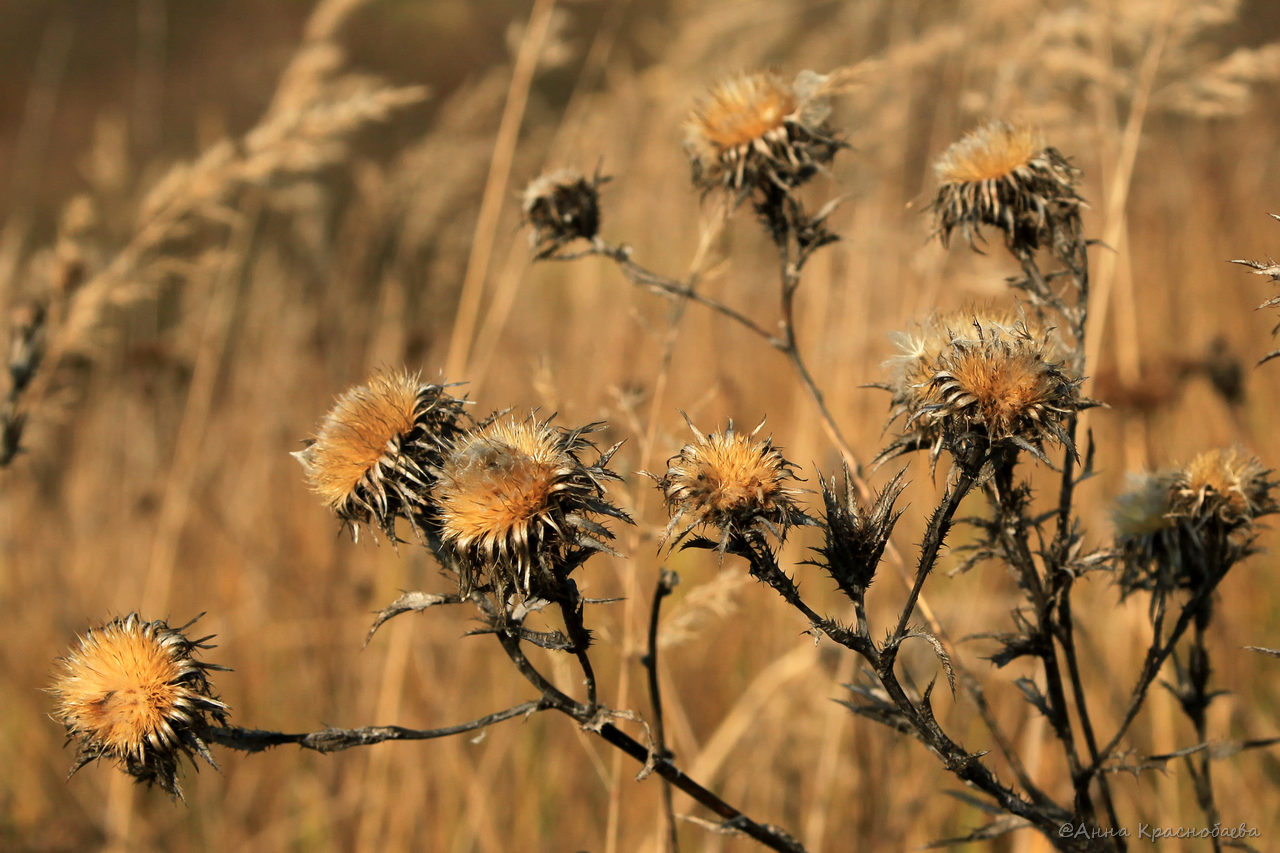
[235, 211]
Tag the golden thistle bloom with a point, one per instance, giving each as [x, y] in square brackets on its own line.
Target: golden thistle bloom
[561, 207]
[133, 692]
[1005, 177]
[515, 501]
[993, 379]
[1223, 486]
[755, 130]
[371, 456]
[732, 483]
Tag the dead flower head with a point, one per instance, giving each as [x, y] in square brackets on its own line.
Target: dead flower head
[133, 692]
[560, 207]
[1180, 528]
[732, 483]
[1005, 177]
[993, 379]
[756, 130]
[371, 457]
[519, 507]
[1223, 486]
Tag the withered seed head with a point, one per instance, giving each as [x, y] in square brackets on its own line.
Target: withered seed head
[1225, 486]
[1175, 528]
[371, 457]
[133, 692]
[1005, 177]
[515, 499]
[560, 207]
[994, 379]
[753, 130]
[731, 483]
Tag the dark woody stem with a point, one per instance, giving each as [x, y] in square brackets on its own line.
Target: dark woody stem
[1040, 811]
[592, 719]
[334, 740]
[667, 581]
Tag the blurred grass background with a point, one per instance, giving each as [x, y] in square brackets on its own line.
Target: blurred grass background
[236, 210]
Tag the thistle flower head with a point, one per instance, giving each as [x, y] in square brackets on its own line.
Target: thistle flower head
[560, 207]
[731, 483]
[371, 456]
[133, 692]
[1005, 177]
[1183, 528]
[1142, 510]
[519, 507]
[1223, 486]
[756, 130]
[993, 378]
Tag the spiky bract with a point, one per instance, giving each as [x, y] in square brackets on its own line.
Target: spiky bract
[519, 507]
[757, 131]
[991, 379]
[731, 483]
[560, 207]
[1006, 178]
[371, 458]
[856, 536]
[133, 692]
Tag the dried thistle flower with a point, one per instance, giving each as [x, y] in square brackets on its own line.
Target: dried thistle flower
[519, 507]
[756, 131]
[1223, 486]
[1005, 177]
[1147, 536]
[372, 455]
[560, 207]
[133, 692]
[735, 484]
[993, 379]
[1178, 529]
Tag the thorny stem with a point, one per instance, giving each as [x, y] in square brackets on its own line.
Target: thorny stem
[579, 641]
[1057, 573]
[764, 566]
[935, 535]
[591, 720]
[1198, 674]
[334, 740]
[642, 277]
[1041, 812]
[1013, 525]
[667, 581]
